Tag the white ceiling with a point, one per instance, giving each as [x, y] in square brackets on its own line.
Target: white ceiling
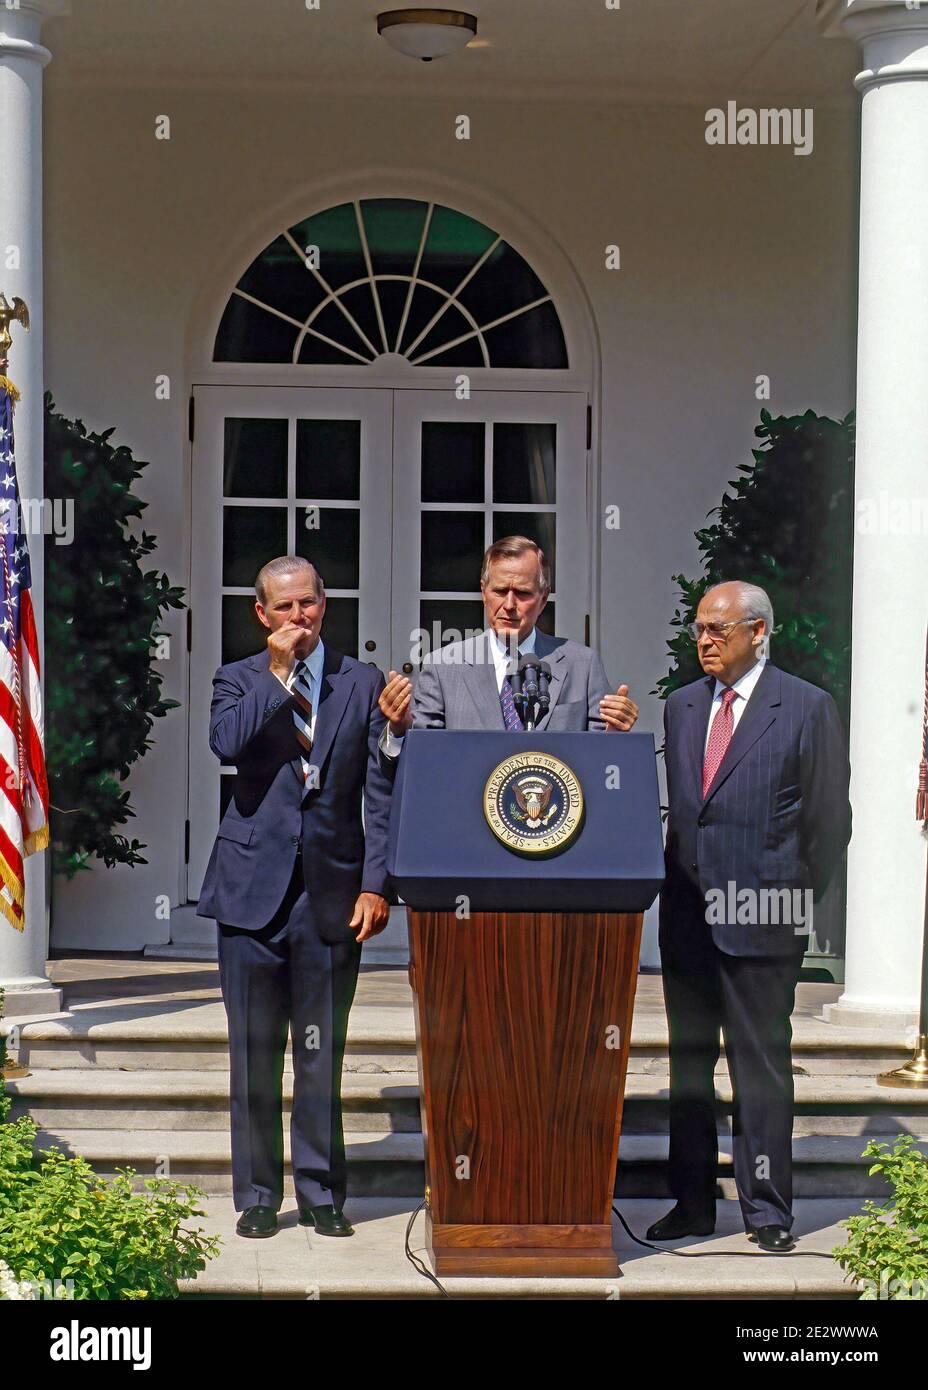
[671, 52]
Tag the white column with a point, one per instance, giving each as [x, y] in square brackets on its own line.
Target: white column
[886, 864]
[22, 58]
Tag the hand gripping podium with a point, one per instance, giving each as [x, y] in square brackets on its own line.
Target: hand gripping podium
[526, 862]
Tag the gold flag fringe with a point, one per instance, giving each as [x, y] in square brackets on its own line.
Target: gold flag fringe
[36, 840]
[13, 391]
[16, 893]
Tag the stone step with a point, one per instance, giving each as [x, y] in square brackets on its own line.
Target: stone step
[386, 1163]
[93, 1098]
[192, 1036]
[73, 1098]
[298, 1264]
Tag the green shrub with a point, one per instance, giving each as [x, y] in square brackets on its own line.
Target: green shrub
[102, 616]
[60, 1221]
[787, 525]
[5, 1101]
[887, 1247]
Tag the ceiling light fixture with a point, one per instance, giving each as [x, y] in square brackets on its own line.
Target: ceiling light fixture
[427, 34]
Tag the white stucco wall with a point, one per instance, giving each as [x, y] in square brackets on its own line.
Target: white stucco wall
[735, 262]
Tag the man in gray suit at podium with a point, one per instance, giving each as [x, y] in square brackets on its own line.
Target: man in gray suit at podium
[466, 685]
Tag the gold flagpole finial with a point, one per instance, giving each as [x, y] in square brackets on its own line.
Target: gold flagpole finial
[8, 312]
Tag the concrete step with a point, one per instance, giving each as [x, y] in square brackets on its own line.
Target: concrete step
[191, 1035]
[387, 1163]
[297, 1263]
[90, 1098]
[101, 1098]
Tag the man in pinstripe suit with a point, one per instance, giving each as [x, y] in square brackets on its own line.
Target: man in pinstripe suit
[757, 783]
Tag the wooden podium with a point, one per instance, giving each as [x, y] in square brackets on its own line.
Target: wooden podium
[523, 1013]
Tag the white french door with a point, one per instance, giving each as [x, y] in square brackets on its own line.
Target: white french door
[394, 495]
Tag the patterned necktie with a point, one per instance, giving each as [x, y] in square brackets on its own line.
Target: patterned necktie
[723, 726]
[514, 724]
[303, 712]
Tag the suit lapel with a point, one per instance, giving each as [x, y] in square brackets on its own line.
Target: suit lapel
[700, 703]
[552, 654]
[480, 678]
[335, 691]
[284, 729]
[754, 722]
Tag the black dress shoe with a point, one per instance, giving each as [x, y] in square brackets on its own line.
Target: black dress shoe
[681, 1222]
[257, 1223]
[776, 1240]
[327, 1221]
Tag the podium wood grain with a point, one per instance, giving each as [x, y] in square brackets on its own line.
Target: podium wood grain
[523, 1023]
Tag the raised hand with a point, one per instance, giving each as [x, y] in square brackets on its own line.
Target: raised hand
[282, 646]
[396, 704]
[618, 710]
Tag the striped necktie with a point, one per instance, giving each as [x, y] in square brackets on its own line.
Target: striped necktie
[303, 712]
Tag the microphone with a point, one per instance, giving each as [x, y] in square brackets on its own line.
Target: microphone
[544, 676]
[518, 698]
[535, 675]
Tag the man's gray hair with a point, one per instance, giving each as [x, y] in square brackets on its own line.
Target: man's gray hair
[755, 602]
[513, 548]
[285, 564]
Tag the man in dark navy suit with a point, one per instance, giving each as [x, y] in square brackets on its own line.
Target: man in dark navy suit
[757, 782]
[296, 883]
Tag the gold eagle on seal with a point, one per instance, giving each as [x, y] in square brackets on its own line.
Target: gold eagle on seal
[533, 794]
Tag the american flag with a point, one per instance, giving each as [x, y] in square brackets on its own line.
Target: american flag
[24, 793]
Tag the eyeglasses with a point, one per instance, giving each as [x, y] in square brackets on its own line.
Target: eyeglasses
[717, 631]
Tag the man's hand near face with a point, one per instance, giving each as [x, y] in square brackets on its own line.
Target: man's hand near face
[619, 711]
[282, 644]
[396, 704]
[371, 914]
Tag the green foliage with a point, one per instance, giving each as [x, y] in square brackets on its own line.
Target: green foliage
[887, 1246]
[102, 612]
[5, 1101]
[60, 1221]
[787, 525]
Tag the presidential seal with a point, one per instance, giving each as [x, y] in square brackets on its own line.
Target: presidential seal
[533, 804]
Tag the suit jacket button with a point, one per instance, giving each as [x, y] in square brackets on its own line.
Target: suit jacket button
[694, 867]
[294, 839]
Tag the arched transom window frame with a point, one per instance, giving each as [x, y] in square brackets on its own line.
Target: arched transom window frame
[452, 333]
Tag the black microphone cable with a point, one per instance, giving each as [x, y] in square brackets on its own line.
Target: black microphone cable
[419, 1265]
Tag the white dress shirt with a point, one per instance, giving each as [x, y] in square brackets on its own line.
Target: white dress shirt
[392, 744]
[313, 678]
[743, 688]
[501, 658]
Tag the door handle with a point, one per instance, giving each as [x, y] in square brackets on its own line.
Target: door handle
[370, 646]
[407, 667]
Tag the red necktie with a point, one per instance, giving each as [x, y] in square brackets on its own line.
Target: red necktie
[723, 726]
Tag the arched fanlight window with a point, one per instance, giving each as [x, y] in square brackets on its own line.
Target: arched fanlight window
[391, 275]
